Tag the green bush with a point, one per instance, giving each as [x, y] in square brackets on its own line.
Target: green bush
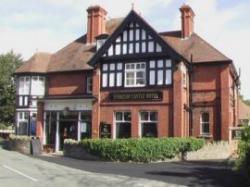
[3, 126]
[139, 150]
[244, 150]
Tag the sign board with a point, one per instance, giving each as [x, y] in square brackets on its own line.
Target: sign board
[136, 96]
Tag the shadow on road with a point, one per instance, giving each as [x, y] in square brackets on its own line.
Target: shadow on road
[191, 173]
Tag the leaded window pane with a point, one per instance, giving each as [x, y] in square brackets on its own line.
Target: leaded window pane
[119, 66]
[151, 46]
[168, 77]
[119, 79]
[118, 49]
[125, 36]
[158, 48]
[160, 77]
[105, 67]
[137, 34]
[168, 63]
[112, 66]
[160, 63]
[131, 48]
[137, 47]
[143, 47]
[131, 35]
[111, 79]
[152, 77]
[104, 80]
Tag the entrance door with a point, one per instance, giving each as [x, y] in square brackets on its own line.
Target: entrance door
[68, 130]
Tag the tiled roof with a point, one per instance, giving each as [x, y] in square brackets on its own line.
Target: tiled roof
[38, 63]
[244, 110]
[200, 50]
[77, 54]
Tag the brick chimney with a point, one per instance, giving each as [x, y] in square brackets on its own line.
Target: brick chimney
[187, 21]
[96, 22]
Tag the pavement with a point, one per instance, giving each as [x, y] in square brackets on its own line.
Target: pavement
[20, 170]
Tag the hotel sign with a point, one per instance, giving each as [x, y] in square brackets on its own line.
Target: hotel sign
[136, 96]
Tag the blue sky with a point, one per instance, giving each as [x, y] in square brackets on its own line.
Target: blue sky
[27, 26]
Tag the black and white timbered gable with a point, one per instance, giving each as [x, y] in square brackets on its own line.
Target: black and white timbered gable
[134, 56]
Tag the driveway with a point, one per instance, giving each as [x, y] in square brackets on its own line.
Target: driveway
[20, 170]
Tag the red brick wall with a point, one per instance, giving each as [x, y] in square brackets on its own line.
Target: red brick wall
[39, 121]
[73, 83]
[211, 93]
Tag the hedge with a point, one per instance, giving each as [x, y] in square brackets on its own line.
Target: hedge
[244, 151]
[139, 150]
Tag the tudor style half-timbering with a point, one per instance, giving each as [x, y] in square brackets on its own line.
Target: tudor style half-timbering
[123, 79]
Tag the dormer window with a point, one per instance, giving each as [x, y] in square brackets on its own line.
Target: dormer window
[100, 40]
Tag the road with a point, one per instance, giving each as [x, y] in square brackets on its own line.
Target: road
[20, 170]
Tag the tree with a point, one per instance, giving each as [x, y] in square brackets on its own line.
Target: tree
[9, 62]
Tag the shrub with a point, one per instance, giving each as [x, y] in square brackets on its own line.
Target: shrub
[3, 126]
[244, 150]
[139, 150]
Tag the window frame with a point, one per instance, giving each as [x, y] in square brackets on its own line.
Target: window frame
[135, 77]
[89, 84]
[141, 121]
[202, 133]
[115, 135]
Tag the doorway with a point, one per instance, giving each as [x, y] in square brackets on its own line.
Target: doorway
[67, 130]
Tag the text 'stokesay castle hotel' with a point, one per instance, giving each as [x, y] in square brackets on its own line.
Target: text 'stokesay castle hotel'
[124, 79]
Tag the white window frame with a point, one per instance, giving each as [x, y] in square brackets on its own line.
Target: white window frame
[147, 121]
[134, 71]
[114, 134]
[204, 122]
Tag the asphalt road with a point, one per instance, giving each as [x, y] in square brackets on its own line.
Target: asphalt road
[60, 171]
[18, 170]
[199, 173]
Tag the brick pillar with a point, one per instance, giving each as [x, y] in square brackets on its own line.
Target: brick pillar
[96, 103]
[135, 124]
[40, 120]
[178, 102]
[225, 98]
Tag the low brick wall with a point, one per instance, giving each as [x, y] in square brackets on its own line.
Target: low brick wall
[22, 146]
[77, 151]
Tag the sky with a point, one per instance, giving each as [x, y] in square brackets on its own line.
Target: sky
[29, 26]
